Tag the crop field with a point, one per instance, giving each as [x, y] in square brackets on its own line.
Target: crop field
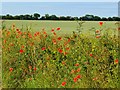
[59, 54]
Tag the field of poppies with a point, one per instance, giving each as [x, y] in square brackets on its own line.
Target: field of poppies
[51, 60]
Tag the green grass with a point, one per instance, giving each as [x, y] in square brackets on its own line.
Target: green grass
[39, 62]
[67, 26]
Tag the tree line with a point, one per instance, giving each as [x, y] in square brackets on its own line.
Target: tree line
[37, 16]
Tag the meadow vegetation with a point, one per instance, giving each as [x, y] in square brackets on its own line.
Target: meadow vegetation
[59, 56]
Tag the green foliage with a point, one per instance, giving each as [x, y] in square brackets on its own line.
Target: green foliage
[41, 60]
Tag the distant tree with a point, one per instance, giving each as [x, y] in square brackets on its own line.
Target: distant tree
[36, 16]
[68, 18]
[8, 17]
[62, 18]
[16, 17]
[53, 17]
[89, 17]
[75, 18]
[42, 18]
[116, 18]
[47, 17]
[96, 18]
[104, 19]
[110, 19]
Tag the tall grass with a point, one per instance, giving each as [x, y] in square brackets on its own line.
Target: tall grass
[42, 60]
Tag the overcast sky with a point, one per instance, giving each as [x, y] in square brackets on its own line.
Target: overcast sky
[103, 9]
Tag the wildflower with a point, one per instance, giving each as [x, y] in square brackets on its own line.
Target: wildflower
[4, 41]
[13, 25]
[30, 67]
[76, 64]
[43, 48]
[35, 34]
[63, 83]
[11, 44]
[54, 33]
[97, 31]
[44, 32]
[98, 36]
[78, 76]
[94, 79]
[58, 28]
[35, 68]
[38, 33]
[63, 62]
[8, 33]
[78, 70]
[65, 53]
[11, 69]
[67, 48]
[52, 30]
[116, 61]
[17, 30]
[91, 55]
[72, 71]
[54, 41]
[21, 51]
[59, 38]
[101, 23]
[22, 46]
[30, 79]
[75, 79]
[60, 50]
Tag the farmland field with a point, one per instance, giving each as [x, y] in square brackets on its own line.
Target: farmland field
[48, 54]
[66, 26]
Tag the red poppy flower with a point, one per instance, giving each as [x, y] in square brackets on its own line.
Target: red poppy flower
[17, 30]
[22, 46]
[35, 34]
[38, 33]
[91, 55]
[4, 41]
[116, 61]
[58, 28]
[101, 23]
[29, 35]
[78, 70]
[72, 71]
[78, 76]
[65, 53]
[75, 79]
[98, 36]
[44, 32]
[69, 40]
[63, 62]
[63, 83]
[8, 33]
[43, 48]
[11, 69]
[59, 38]
[97, 31]
[54, 41]
[60, 50]
[54, 33]
[76, 64]
[94, 79]
[68, 48]
[52, 30]
[35, 68]
[21, 51]
[30, 67]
